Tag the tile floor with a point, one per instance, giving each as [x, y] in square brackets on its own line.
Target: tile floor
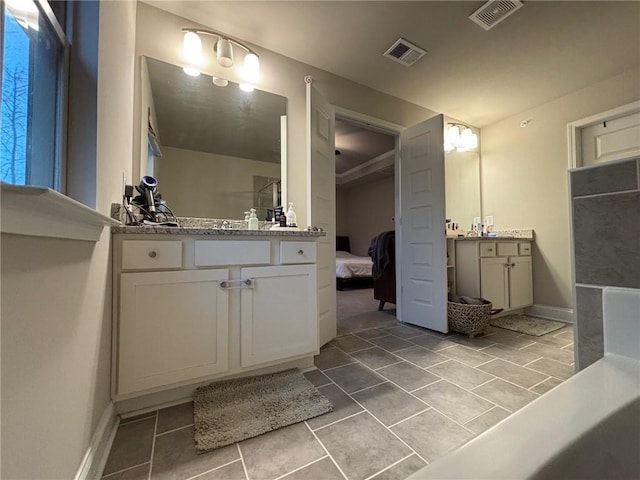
[403, 396]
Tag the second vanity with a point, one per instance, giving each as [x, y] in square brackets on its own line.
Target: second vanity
[202, 304]
[496, 268]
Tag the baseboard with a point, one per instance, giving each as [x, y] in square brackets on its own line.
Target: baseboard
[552, 313]
[96, 455]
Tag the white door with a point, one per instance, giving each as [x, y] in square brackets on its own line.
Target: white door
[321, 204]
[609, 140]
[277, 320]
[421, 235]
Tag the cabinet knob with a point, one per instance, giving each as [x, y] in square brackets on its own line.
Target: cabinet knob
[300, 252]
[153, 254]
[489, 249]
[512, 265]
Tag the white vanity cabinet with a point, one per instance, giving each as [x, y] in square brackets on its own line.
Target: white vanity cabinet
[192, 308]
[498, 270]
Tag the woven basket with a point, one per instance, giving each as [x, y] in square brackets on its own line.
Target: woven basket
[468, 319]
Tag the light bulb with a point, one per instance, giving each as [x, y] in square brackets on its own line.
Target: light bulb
[452, 137]
[224, 52]
[246, 87]
[192, 48]
[468, 139]
[191, 71]
[251, 69]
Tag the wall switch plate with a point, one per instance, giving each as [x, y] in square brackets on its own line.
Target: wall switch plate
[489, 220]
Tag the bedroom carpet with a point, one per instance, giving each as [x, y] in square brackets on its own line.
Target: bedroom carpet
[234, 410]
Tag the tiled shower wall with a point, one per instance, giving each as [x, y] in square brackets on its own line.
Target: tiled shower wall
[605, 202]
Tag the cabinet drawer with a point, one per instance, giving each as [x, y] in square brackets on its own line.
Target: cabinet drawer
[232, 252]
[151, 254]
[507, 249]
[487, 249]
[524, 248]
[297, 252]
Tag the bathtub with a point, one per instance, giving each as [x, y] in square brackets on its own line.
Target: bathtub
[588, 427]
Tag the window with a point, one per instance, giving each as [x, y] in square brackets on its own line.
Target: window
[33, 58]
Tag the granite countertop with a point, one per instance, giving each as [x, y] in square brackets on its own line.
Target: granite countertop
[148, 229]
[505, 234]
[484, 239]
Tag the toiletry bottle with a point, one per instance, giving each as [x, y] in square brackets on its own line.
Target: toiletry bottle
[246, 220]
[291, 216]
[253, 220]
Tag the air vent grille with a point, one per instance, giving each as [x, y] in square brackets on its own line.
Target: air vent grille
[404, 52]
[495, 11]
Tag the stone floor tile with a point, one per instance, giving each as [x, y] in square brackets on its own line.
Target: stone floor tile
[388, 403]
[421, 356]
[131, 445]
[431, 434]
[402, 470]
[553, 368]
[135, 418]
[140, 472]
[486, 420]
[460, 374]
[350, 343]
[475, 343]
[510, 339]
[371, 333]
[352, 378]
[343, 406]
[404, 331]
[361, 446]
[456, 403]
[552, 353]
[375, 357]
[521, 376]
[281, 451]
[233, 471]
[317, 378]
[432, 342]
[331, 358]
[175, 456]
[391, 343]
[407, 376]
[558, 342]
[174, 417]
[505, 394]
[511, 354]
[323, 469]
[466, 355]
[545, 386]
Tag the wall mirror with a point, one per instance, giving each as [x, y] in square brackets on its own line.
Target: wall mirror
[462, 189]
[218, 151]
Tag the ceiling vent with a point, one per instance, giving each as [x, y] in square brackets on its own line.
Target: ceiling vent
[404, 52]
[493, 12]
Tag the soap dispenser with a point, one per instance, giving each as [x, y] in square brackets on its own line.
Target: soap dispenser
[253, 220]
[291, 216]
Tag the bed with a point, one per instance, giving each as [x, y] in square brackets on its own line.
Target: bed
[351, 270]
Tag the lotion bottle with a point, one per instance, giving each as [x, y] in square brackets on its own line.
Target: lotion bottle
[253, 220]
[291, 216]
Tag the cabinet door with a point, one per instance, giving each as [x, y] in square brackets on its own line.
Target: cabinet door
[520, 282]
[172, 327]
[493, 281]
[278, 315]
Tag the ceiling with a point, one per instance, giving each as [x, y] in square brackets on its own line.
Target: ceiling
[543, 51]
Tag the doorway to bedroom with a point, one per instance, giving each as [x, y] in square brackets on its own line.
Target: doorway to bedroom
[365, 210]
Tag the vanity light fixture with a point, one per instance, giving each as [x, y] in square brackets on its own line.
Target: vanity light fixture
[459, 137]
[192, 53]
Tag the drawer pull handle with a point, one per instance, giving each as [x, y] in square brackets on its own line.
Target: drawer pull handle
[229, 284]
[489, 249]
[300, 252]
[153, 254]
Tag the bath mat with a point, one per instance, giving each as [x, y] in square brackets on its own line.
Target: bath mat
[525, 324]
[233, 410]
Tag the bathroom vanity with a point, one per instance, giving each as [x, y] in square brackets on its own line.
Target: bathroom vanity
[496, 268]
[194, 304]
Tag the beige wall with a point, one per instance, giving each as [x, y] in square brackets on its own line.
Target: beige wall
[56, 298]
[159, 36]
[199, 184]
[524, 177]
[364, 212]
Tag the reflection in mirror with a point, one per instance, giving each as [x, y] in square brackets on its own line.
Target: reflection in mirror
[218, 149]
[462, 174]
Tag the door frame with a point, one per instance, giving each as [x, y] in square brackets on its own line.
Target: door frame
[390, 128]
[574, 130]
